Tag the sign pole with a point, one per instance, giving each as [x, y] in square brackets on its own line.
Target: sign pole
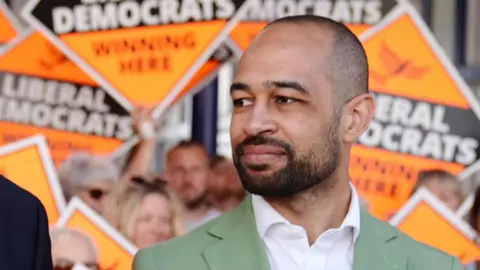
[204, 116]
[427, 11]
[461, 32]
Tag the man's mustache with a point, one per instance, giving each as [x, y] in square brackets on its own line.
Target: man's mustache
[262, 140]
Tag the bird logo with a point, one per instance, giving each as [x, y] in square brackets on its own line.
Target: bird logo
[394, 66]
[56, 58]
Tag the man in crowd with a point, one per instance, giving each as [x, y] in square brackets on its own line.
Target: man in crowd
[444, 185]
[188, 167]
[71, 247]
[225, 190]
[301, 100]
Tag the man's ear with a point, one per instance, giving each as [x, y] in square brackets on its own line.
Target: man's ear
[357, 115]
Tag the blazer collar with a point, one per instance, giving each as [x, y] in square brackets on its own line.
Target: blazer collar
[240, 247]
[375, 248]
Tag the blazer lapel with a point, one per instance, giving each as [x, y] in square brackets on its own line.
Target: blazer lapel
[239, 246]
[374, 249]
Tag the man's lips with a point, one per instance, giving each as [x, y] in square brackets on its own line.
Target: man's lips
[257, 150]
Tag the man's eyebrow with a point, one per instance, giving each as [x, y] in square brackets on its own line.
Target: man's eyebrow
[238, 86]
[286, 84]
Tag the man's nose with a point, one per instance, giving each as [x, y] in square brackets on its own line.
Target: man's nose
[260, 121]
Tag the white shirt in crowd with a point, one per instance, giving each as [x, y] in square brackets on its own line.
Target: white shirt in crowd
[287, 244]
[211, 214]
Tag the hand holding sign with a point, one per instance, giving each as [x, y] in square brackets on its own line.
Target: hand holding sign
[207, 73]
[426, 219]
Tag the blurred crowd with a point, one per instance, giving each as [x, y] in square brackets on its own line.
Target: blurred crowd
[193, 189]
[146, 208]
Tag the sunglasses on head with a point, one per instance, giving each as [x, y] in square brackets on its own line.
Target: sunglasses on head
[156, 183]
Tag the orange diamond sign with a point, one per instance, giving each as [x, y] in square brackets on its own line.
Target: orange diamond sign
[428, 220]
[42, 91]
[39, 178]
[9, 27]
[426, 116]
[142, 52]
[357, 15]
[115, 251]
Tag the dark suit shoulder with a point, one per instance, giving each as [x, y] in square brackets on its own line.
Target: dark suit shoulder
[22, 215]
[420, 256]
[12, 193]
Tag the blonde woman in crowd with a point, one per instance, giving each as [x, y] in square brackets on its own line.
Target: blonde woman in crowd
[146, 212]
[442, 184]
[88, 177]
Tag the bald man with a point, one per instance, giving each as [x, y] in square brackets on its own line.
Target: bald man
[71, 247]
[300, 101]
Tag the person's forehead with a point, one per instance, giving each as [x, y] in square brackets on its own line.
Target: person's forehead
[75, 245]
[188, 150]
[153, 201]
[286, 51]
[99, 183]
[442, 182]
[189, 154]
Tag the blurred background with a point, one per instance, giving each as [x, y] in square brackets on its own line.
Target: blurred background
[181, 176]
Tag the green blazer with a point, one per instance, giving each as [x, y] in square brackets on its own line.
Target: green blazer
[231, 242]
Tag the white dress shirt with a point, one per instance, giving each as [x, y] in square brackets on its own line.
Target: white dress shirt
[287, 244]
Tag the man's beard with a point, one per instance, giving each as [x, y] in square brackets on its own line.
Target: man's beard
[196, 202]
[301, 172]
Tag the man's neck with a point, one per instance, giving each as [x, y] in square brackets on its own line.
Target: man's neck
[317, 209]
[193, 214]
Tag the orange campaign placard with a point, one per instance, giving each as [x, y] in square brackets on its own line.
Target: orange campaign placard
[426, 116]
[42, 91]
[357, 15]
[28, 164]
[426, 219]
[9, 25]
[115, 252]
[142, 52]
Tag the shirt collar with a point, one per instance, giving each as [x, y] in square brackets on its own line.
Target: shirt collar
[266, 216]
